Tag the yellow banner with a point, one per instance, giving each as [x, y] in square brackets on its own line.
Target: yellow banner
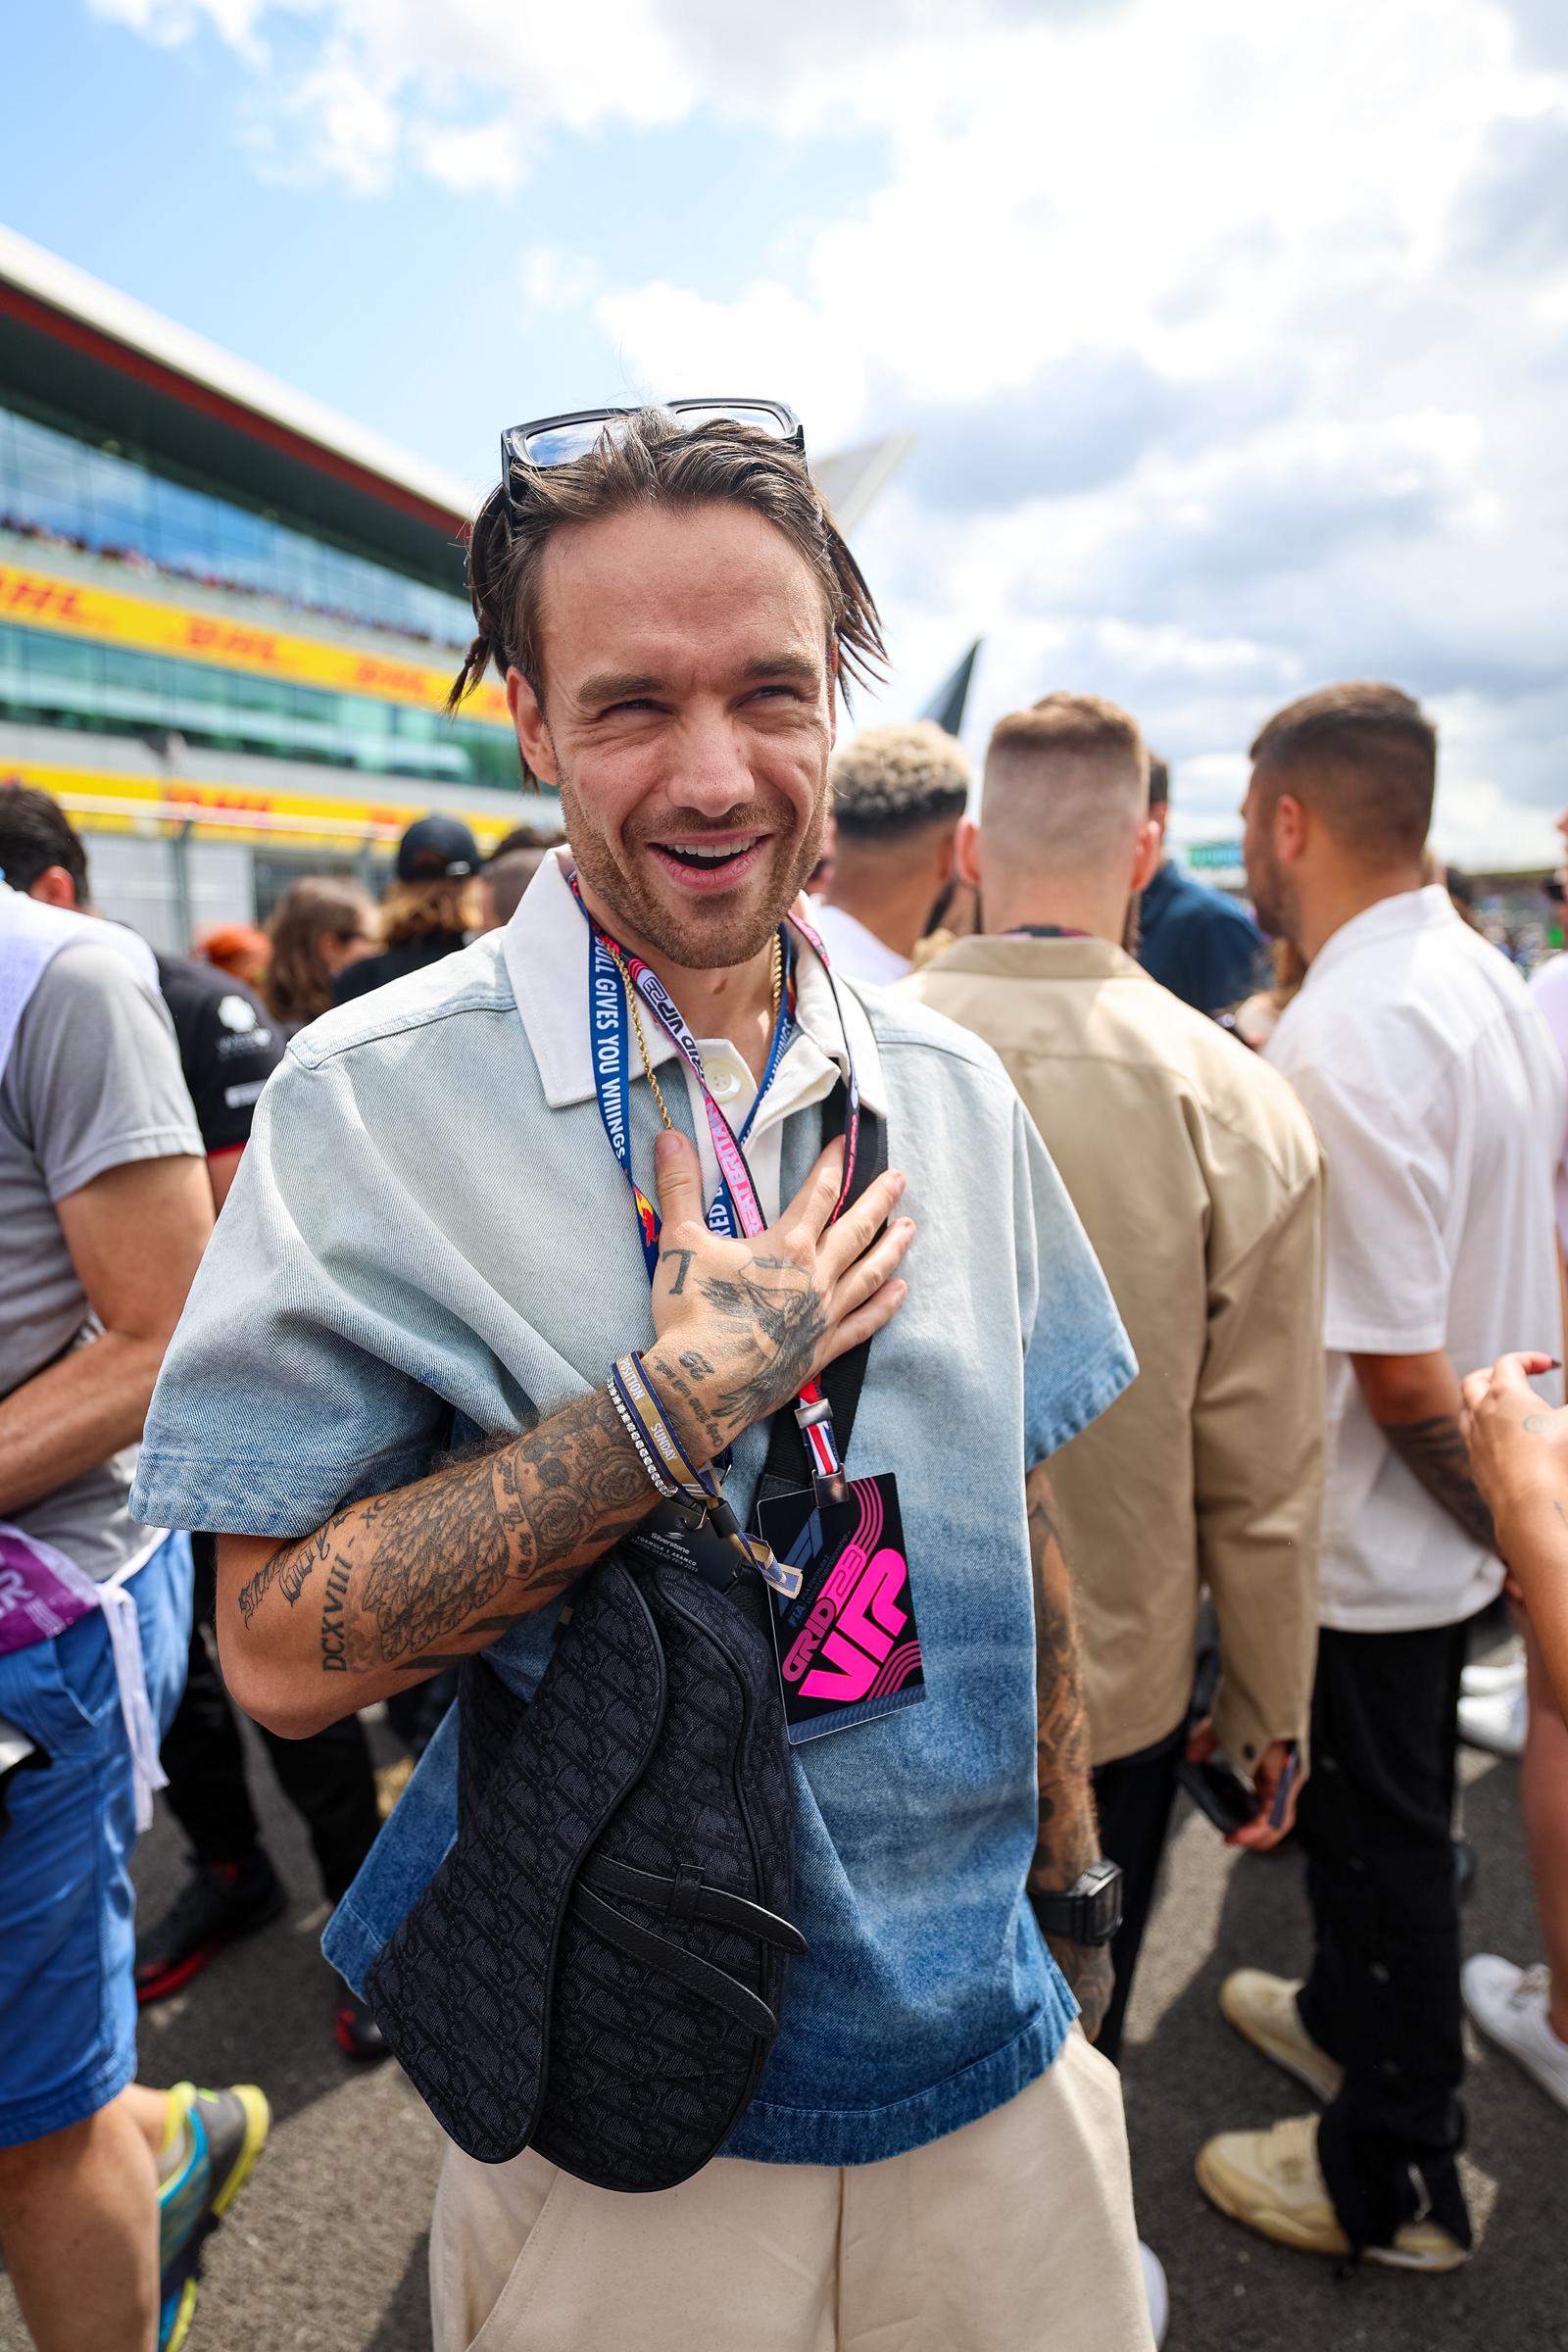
[97, 803]
[41, 600]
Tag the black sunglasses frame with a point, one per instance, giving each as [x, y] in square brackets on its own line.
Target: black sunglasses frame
[516, 438]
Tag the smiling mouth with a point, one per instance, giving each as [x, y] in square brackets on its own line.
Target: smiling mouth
[715, 857]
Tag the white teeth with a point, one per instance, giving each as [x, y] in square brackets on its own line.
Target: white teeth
[715, 856]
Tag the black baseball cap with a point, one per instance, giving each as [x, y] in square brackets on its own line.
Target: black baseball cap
[436, 848]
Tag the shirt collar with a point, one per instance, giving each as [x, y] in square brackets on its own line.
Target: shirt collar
[1393, 917]
[1003, 957]
[546, 948]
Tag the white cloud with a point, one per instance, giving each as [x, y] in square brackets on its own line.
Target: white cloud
[1234, 338]
[557, 279]
[473, 159]
[355, 115]
[171, 21]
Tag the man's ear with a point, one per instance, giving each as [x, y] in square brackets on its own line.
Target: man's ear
[1292, 828]
[966, 852]
[533, 735]
[55, 887]
[1150, 844]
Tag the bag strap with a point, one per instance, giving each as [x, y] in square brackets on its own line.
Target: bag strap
[788, 1461]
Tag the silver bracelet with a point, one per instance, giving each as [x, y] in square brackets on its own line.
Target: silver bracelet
[652, 1468]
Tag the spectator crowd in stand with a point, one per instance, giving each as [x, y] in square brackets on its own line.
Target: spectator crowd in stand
[1180, 1284]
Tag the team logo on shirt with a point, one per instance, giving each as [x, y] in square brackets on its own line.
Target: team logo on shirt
[236, 1012]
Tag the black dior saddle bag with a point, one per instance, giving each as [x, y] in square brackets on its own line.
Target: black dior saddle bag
[596, 1969]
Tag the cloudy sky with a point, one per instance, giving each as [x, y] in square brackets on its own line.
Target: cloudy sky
[1234, 337]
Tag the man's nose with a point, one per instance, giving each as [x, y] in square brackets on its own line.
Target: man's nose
[714, 774]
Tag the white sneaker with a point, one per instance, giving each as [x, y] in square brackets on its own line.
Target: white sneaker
[1498, 1722]
[1509, 2005]
[1263, 2009]
[1506, 1672]
[1156, 2290]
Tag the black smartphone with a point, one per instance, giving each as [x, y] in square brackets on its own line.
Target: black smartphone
[1220, 1791]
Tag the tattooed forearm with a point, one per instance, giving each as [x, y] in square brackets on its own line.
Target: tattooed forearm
[433, 1571]
[676, 1380]
[287, 1569]
[1068, 1836]
[1068, 1839]
[1437, 1455]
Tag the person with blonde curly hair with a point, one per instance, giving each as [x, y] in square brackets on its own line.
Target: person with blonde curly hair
[898, 795]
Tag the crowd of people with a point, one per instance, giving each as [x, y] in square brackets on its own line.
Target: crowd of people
[1071, 1341]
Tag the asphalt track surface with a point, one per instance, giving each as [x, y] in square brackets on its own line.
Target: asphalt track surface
[326, 2250]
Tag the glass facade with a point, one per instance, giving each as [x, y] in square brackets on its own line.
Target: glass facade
[56, 487]
[114, 690]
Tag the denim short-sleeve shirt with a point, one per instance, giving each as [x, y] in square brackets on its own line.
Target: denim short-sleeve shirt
[429, 1241]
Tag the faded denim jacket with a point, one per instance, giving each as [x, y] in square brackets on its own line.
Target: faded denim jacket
[430, 1240]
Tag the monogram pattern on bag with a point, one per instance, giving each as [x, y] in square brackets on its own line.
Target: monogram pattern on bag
[656, 1740]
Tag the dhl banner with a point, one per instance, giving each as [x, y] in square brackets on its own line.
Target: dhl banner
[43, 599]
[100, 803]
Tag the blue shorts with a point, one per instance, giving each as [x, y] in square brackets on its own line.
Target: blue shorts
[68, 1936]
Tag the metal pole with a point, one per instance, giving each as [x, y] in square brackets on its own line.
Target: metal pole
[184, 911]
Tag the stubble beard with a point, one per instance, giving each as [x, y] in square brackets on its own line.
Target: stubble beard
[1274, 903]
[712, 937]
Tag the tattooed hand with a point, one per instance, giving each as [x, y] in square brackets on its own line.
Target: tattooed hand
[1518, 1446]
[743, 1325]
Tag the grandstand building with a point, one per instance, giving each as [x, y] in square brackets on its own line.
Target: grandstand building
[228, 618]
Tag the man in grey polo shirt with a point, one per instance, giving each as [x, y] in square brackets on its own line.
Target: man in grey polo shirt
[432, 1245]
[104, 1210]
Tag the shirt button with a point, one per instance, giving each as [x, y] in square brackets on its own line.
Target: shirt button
[723, 1085]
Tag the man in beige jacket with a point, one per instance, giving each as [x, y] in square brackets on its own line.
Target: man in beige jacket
[1199, 1178]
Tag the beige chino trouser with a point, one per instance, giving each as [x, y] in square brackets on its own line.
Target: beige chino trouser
[1011, 2235]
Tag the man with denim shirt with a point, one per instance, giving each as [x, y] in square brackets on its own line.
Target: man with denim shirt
[430, 1245]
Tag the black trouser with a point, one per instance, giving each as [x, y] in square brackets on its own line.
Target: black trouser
[1376, 1821]
[329, 1777]
[1134, 1796]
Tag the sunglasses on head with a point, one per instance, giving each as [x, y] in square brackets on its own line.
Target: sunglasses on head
[561, 440]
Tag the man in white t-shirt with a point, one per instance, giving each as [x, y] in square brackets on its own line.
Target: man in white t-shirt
[1437, 1095]
[898, 795]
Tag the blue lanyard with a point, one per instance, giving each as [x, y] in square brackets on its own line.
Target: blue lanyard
[611, 1033]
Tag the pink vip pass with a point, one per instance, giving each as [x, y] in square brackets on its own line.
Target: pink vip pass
[41, 1591]
[849, 1649]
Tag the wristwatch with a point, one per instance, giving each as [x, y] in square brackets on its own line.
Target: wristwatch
[1090, 1909]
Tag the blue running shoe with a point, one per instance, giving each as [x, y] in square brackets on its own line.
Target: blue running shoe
[224, 2131]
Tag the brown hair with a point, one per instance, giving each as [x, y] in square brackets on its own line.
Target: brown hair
[505, 878]
[1077, 725]
[1365, 757]
[299, 986]
[416, 909]
[651, 462]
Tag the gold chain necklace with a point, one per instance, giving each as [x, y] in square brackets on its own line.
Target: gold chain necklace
[777, 993]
